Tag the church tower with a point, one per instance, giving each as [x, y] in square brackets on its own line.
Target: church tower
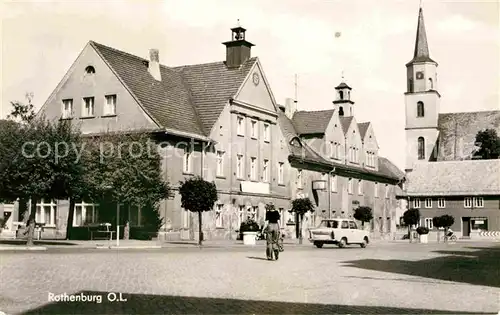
[421, 102]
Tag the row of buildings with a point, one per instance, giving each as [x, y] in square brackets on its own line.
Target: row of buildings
[220, 120]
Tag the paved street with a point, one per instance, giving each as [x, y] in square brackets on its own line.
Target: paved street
[388, 278]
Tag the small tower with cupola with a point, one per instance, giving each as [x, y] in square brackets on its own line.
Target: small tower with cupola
[343, 103]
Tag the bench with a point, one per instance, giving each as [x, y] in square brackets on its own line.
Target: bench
[101, 231]
[101, 235]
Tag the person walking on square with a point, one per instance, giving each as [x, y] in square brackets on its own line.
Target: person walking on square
[272, 229]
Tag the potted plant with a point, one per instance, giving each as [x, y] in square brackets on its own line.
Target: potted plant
[249, 229]
[423, 233]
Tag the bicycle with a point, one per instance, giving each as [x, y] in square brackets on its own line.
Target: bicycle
[452, 238]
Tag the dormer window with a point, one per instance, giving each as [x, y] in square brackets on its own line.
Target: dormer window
[90, 70]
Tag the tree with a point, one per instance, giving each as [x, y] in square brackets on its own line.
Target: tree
[198, 195]
[32, 165]
[23, 113]
[489, 144]
[363, 214]
[124, 168]
[301, 206]
[411, 217]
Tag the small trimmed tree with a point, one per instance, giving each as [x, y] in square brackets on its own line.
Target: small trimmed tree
[411, 217]
[198, 195]
[436, 221]
[301, 206]
[363, 214]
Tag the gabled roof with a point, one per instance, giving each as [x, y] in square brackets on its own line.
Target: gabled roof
[305, 153]
[212, 85]
[457, 132]
[312, 122]
[363, 128]
[346, 123]
[421, 53]
[188, 98]
[454, 178]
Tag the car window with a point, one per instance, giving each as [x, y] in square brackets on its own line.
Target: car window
[335, 224]
[324, 224]
[353, 225]
[345, 225]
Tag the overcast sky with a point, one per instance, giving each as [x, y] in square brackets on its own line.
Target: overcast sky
[40, 40]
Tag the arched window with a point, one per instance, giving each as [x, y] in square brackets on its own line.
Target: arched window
[421, 148]
[420, 109]
[90, 70]
[341, 95]
[341, 111]
[431, 84]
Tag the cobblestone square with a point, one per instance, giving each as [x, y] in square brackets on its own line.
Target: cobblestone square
[383, 278]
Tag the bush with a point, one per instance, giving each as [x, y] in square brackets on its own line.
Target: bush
[249, 226]
[422, 230]
[447, 220]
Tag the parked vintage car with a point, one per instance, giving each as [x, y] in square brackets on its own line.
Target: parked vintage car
[340, 231]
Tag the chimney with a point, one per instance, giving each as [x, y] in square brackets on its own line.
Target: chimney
[154, 64]
[290, 107]
[238, 49]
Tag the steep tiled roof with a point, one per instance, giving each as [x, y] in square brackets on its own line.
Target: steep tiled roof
[385, 166]
[188, 98]
[311, 122]
[458, 178]
[457, 132]
[286, 125]
[346, 123]
[211, 86]
[363, 127]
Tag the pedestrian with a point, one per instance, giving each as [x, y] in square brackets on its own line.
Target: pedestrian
[272, 229]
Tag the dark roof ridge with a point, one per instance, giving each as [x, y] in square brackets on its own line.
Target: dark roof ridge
[118, 50]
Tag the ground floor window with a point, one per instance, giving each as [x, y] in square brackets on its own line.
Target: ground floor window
[185, 218]
[291, 217]
[218, 216]
[46, 212]
[85, 213]
[252, 212]
[479, 224]
[428, 223]
[241, 215]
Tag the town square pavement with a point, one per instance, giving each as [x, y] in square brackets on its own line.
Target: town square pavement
[383, 278]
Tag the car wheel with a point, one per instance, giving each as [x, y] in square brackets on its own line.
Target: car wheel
[343, 242]
[365, 243]
[318, 244]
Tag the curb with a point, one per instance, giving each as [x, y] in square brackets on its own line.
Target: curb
[127, 247]
[22, 248]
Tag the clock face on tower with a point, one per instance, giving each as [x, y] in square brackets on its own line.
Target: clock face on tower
[420, 75]
[256, 78]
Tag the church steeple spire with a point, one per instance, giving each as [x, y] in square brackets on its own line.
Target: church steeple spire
[421, 52]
